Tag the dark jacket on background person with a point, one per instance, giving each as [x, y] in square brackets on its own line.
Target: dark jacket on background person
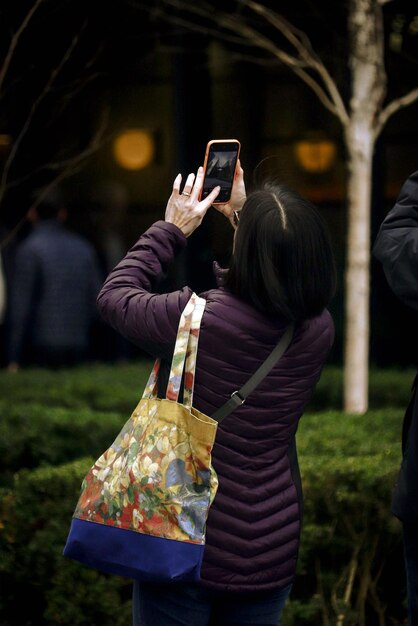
[253, 528]
[396, 247]
[54, 286]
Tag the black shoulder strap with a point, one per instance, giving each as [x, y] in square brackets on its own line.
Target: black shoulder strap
[239, 397]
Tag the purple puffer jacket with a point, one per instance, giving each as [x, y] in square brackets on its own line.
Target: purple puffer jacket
[253, 526]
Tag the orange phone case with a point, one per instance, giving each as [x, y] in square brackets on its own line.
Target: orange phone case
[205, 163]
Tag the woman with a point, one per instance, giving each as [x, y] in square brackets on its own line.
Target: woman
[281, 270]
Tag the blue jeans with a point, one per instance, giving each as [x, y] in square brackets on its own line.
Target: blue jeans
[410, 540]
[183, 604]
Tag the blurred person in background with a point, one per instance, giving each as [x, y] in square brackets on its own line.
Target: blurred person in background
[55, 280]
[3, 300]
[396, 247]
[111, 201]
[7, 251]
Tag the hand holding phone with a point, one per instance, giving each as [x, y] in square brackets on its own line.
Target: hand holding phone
[184, 209]
[219, 168]
[232, 208]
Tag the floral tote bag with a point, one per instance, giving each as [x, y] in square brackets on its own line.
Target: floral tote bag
[143, 505]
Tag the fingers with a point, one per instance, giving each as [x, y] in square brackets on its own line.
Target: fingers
[192, 189]
[188, 186]
[205, 204]
[177, 183]
[187, 191]
[239, 171]
[198, 184]
[193, 184]
[184, 209]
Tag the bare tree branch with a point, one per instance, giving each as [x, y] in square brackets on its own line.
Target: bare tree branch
[204, 30]
[296, 64]
[340, 606]
[73, 89]
[297, 38]
[73, 163]
[12, 234]
[66, 168]
[304, 59]
[302, 44]
[324, 609]
[15, 40]
[35, 105]
[393, 107]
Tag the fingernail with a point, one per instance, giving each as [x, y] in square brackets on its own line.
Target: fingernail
[200, 170]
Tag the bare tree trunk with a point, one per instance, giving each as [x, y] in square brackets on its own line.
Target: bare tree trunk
[368, 92]
[357, 277]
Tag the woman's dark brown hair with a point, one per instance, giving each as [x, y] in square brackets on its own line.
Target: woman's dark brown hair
[282, 261]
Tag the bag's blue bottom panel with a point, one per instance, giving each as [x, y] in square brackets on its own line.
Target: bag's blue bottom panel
[134, 555]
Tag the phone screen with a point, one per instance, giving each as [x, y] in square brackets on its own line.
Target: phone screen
[220, 169]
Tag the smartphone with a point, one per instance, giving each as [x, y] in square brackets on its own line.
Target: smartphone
[219, 166]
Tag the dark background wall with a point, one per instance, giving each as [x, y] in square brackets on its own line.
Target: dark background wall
[138, 70]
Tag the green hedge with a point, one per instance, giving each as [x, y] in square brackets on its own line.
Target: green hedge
[38, 585]
[95, 387]
[350, 565]
[105, 387]
[33, 435]
[49, 417]
[348, 464]
[350, 562]
[391, 387]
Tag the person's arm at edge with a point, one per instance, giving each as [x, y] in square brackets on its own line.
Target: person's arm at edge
[396, 245]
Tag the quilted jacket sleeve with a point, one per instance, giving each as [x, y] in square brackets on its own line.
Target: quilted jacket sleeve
[127, 302]
[396, 245]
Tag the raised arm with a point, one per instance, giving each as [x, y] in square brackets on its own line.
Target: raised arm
[128, 300]
[396, 245]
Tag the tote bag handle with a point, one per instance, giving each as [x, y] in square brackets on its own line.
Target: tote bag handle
[185, 351]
